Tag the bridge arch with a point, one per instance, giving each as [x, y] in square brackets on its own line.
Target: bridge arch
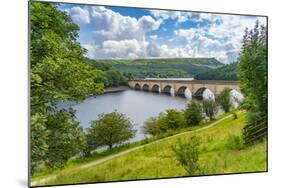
[236, 97]
[184, 91]
[168, 89]
[137, 86]
[145, 87]
[156, 88]
[204, 93]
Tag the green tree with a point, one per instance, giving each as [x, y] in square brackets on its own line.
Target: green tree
[210, 108]
[110, 129]
[65, 139]
[39, 135]
[224, 99]
[253, 76]
[187, 154]
[152, 126]
[193, 113]
[58, 73]
[173, 119]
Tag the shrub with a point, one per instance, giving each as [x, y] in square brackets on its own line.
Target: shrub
[187, 155]
[193, 114]
[235, 142]
[224, 99]
[152, 126]
[210, 108]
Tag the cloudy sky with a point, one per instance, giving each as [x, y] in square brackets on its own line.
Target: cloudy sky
[129, 33]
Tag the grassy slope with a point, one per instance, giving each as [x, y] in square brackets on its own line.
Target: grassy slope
[158, 161]
[165, 67]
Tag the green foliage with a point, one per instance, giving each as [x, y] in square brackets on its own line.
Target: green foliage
[253, 77]
[39, 135]
[152, 127]
[227, 72]
[170, 120]
[224, 99]
[58, 72]
[210, 108]
[234, 115]
[187, 155]
[110, 129]
[109, 75]
[234, 142]
[65, 139]
[193, 113]
[115, 78]
[163, 68]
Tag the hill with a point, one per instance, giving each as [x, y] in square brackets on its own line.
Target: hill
[219, 153]
[227, 72]
[163, 67]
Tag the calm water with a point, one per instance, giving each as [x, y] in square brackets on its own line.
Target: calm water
[137, 105]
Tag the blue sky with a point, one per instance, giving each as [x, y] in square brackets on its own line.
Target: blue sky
[130, 33]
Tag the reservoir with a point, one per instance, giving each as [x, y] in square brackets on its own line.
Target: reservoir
[137, 105]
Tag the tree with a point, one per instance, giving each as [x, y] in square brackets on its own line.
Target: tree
[109, 129]
[39, 135]
[65, 139]
[210, 108]
[152, 126]
[173, 119]
[253, 78]
[187, 154]
[58, 73]
[224, 99]
[193, 113]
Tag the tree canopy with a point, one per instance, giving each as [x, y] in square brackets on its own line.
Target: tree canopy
[110, 129]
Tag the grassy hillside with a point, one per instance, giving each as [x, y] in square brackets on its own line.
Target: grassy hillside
[227, 72]
[219, 153]
[164, 67]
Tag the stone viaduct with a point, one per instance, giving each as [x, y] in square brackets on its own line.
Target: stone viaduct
[195, 88]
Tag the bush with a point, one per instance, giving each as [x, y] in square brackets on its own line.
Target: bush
[152, 126]
[210, 108]
[173, 119]
[235, 142]
[193, 114]
[224, 99]
[234, 115]
[187, 154]
[170, 120]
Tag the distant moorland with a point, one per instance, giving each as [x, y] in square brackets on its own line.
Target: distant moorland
[163, 67]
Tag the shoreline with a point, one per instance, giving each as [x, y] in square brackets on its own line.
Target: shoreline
[115, 89]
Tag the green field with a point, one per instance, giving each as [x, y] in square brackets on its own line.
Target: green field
[218, 154]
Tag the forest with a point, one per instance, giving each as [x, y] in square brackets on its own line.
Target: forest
[227, 72]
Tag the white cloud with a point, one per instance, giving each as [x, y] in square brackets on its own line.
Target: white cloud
[79, 15]
[118, 36]
[220, 40]
[153, 37]
[180, 16]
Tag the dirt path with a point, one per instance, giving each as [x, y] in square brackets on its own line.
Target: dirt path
[43, 180]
